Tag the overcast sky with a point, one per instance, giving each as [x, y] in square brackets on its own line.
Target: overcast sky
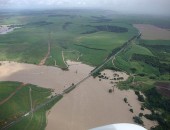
[136, 6]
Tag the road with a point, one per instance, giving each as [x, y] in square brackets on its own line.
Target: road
[100, 66]
[42, 62]
[113, 56]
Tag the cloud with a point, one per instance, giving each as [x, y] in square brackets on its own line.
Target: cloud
[138, 6]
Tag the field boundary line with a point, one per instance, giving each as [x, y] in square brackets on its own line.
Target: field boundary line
[64, 59]
[12, 94]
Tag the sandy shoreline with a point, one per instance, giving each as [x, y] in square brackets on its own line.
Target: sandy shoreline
[88, 106]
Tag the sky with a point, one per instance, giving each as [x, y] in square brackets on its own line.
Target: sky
[131, 6]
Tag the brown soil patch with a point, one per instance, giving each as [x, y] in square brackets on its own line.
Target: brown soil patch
[163, 88]
[151, 32]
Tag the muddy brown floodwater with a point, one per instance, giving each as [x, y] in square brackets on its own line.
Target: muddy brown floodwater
[89, 105]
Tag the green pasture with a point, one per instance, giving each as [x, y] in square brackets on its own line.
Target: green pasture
[19, 104]
[64, 30]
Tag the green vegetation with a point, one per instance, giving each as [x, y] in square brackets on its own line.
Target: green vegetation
[30, 42]
[160, 107]
[125, 100]
[20, 104]
[140, 97]
[131, 110]
[138, 120]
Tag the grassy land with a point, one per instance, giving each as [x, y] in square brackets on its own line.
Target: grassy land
[19, 104]
[149, 63]
[64, 30]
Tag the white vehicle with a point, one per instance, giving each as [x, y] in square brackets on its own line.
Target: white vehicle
[27, 114]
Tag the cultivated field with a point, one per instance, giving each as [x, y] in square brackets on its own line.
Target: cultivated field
[89, 34]
[151, 32]
[16, 99]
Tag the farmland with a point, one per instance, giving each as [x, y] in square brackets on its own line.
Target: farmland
[66, 31]
[15, 106]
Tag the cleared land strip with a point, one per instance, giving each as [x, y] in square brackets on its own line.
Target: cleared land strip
[30, 95]
[42, 62]
[64, 59]
[12, 94]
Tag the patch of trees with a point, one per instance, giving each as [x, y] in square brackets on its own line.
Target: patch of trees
[140, 97]
[107, 28]
[65, 69]
[59, 15]
[89, 32]
[96, 74]
[133, 70]
[125, 100]
[156, 100]
[101, 19]
[161, 51]
[112, 68]
[131, 110]
[138, 120]
[153, 61]
[66, 24]
[110, 28]
[40, 23]
[110, 90]
[90, 47]
[165, 48]
[142, 74]
[160, 108]
[159, 47]
[114, 51]
[103, 77]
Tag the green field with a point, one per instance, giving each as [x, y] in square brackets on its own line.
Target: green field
[66, 31]
[20, 104]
